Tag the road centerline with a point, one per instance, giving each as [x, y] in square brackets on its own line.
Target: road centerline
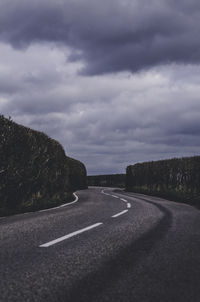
[119, 214]
[104, 193]
[55, 241]
[123, 199]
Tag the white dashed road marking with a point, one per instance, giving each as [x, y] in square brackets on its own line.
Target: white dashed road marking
[128, 205]
[70, 235]
[123, 199]
[119, 214]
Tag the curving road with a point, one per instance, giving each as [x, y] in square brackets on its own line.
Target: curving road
[108, 246]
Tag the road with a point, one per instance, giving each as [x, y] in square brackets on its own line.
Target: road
[108, 246]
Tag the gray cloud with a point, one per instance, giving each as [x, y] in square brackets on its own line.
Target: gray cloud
[107, 121]
[108, 36]
[118, 116]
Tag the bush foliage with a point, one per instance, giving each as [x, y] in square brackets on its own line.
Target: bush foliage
[112, 180]
[77, 174]
[177, 179]
[34, 170]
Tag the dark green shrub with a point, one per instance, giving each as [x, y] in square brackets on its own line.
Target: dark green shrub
[178, 179]
[34, 171]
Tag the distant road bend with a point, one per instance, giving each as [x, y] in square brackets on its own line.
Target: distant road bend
[108, 246]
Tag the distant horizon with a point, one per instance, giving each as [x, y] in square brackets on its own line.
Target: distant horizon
[142, 163]
[133, 163]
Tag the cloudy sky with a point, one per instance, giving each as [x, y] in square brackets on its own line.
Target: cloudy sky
[115, 81]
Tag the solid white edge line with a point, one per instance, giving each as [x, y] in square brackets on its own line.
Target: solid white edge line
[70, 235]
[62, 205]
[45, 210]
[128, 205]
[119, 214]
[114, 196]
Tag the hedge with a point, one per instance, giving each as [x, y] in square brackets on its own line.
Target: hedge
[178, 179]
[35, 173]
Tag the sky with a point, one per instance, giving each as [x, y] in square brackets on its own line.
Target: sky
[116, 82]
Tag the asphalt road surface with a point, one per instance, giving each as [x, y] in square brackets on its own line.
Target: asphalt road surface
[108, 246]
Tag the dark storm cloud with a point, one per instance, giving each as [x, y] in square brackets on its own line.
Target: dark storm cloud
[108, 35]
[107, 121]
[107, 137]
